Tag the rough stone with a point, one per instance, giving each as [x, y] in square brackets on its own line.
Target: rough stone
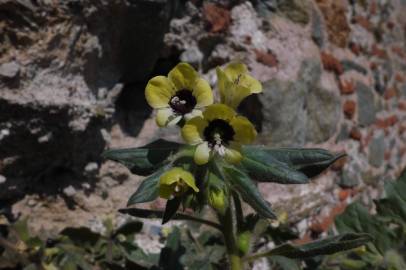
[377, 150]
[317, 28]
[302, 109]
[366, 104]
[284, 112]
[295, 10]
[323, 114]
[9, 70]
[3, 179]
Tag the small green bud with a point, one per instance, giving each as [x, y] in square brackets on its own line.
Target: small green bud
[244, 240]
[217, 200]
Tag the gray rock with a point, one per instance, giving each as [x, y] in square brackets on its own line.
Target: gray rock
[301, 111]
[3, 179]
[284, 115]
[192, 56]
[9, 70]
[295, 10]
[366, 104]
[323, 108]
[348, 179]
[310, 72]
[351, 65]
[343, 134]
[377, 150]
[317, 28]
[403, 90]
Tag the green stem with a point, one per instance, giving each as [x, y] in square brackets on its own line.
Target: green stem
[147, 213]
[229, 233]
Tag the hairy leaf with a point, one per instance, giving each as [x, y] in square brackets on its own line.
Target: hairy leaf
[148, 190]
[356, 219]
[310, 162]
[326, 246]
[146, 159]
[243, 184]
[170, 210]
[263, 167]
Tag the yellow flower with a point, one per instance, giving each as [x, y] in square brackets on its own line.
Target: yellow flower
[218, 132]
[235, 84]
[182, 94]
[176, 182]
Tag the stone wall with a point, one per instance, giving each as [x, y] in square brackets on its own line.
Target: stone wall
[72, 75]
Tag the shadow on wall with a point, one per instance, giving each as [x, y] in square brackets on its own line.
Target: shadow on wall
[126, 38]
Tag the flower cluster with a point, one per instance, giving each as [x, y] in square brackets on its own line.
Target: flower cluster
[215, 130]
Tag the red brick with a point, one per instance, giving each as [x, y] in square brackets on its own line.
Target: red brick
[346, 87]
[344, 194]
[331, 63]
[399, 77]
[402, 105]
[398, 51]
[266, 58]
[349, 108]
[218, 17]
[387, 122]
[364, 22]
[355, 48]
[387, 155]
[324, 223]
[355, 134]
[381, 53]
[390, 93]
[339, 164]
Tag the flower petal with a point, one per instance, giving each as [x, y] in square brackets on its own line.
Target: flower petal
[163, 116]
[219, 111]
[174, 120]
[159, 91]
[223, 83]
[236, 94]
[193, 114]
[170, 177]
[234, 70]
[202, 153]
[232, 156]
[203, 93]
[183, 76]
[188, 178]
[250, 82]
[244, 130]
[192, 131]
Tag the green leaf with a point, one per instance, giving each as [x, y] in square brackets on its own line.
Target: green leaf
[284, 263]
[146, 159]
[394, 203]
[130, 228]
[325, 246]
[242, 183]
[172, 252]
[356, 219]
[170, 210]
[21, 228]
[263, 167]
[311, 161]
[148, 190]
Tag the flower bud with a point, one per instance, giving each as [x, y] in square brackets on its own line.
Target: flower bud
[217, 199]
[244, 240]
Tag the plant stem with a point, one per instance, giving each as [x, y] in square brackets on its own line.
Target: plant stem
[229, 233]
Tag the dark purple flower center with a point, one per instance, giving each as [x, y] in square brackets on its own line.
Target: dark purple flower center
[183, 102]
[218, 132]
